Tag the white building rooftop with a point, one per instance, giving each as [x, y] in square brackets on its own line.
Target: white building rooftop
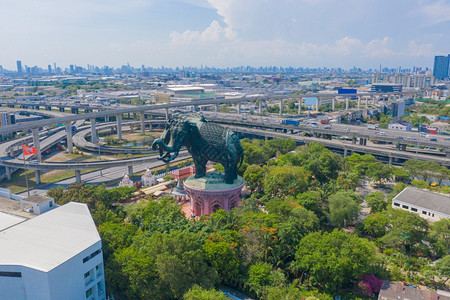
[46, 241]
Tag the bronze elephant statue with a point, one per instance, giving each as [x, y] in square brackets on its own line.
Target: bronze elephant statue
[205, 141]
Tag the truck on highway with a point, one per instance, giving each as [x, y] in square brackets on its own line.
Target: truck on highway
[291, 122]
[324, 121]
[372, 126]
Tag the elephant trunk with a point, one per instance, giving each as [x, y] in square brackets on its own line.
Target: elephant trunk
[160, 145]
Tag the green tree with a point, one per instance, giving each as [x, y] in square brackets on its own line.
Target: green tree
[254, 176]
[260, 277]
[376, 201]
[286, 180]
[440, 235]
[343, 209]
[222, 252]
[379, 172]
[333, 260]
[376, 225]
[199, 293]
[443, 268]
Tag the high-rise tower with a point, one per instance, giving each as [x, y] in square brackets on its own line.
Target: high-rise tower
[441, 67]
[19, 67]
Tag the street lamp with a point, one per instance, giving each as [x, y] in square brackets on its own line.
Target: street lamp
[99, 144]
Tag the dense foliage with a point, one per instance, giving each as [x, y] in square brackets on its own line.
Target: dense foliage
[299, 235]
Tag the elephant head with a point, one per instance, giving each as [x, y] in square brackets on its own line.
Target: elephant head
[173, 137]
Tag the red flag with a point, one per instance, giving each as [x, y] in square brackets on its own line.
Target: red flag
[29, 150]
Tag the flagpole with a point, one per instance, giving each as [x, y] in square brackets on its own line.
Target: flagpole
[26, 175]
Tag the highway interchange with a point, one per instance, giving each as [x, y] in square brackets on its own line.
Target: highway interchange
[308, 131]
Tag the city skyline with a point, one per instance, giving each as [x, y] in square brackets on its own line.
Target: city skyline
[307, 33]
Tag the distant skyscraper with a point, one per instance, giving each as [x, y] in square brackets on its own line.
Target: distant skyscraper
[19, 67]
[441, 66]
[49, 69]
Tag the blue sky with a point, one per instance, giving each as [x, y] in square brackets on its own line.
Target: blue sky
[221, 33]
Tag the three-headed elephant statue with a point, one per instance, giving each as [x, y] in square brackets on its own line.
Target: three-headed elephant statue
[205, 141]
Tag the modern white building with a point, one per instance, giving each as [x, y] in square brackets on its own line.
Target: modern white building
[55, 255]
[428, 205]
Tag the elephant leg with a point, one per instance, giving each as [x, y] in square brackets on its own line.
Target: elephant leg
[200, 168]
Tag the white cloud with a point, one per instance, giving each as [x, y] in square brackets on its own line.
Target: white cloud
[213, 33]
[437, 12]
[416, 48]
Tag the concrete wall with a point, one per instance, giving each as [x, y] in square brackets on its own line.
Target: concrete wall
[68, 278]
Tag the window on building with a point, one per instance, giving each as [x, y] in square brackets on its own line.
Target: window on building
[405, 206]
[89, 293]
[413, 209]
[93, 254]
[87, 274]
[98, 270]
[396, 204]
[10, 274]
[51, 204]
[433, 215]
[424, 212]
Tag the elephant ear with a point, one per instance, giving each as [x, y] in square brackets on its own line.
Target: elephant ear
[193, 130]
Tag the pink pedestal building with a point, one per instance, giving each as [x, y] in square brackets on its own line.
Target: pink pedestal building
[209, 194]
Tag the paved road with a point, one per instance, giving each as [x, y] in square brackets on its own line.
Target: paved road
[95, 177]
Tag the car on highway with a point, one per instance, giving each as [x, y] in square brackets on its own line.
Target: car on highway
[411, 138]
[382, 133]
[346, 130]
[433, 140]
[34, 162]
[399, 138]
[327, 127]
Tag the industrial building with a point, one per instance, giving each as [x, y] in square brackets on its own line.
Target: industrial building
[56, 254]
[428, 205]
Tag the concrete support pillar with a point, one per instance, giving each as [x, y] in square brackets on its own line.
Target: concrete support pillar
[216, 108]
[317, 103]
[333, 103]
[134, 116]
[238, 107]
[142, 118]
[94, 138]
[374, 99]
[37, 174]
[390, 159]
[359, 101]
[281, 107]
[129, 115]
[61, 109]
[69, 137]
[300, 103]
[260, 107]
[8, 173]
[354, 140]
[106, 119]
[403, 147]
[347, 100]
[119, 126]
[345, 152]
[77, 176]
[367, 102]
[166, 110]
[36, 143]
[130, 171]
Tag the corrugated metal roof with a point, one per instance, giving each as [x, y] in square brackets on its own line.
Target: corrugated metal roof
[425, 199]
[50, 239]
[9, 220]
